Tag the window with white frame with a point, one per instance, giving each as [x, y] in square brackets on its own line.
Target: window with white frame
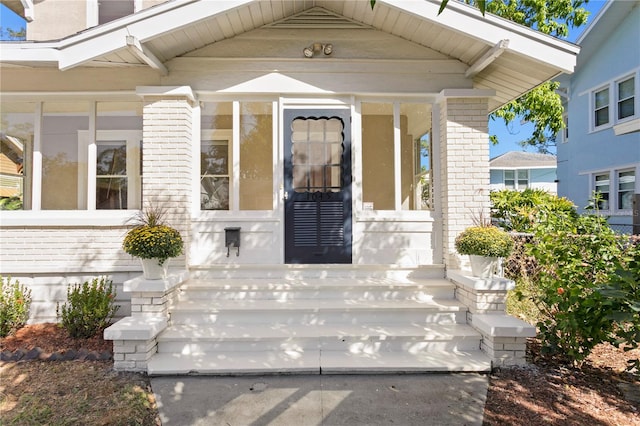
[615, 189]
[626, 98]
[601, 111]
[112, 178]
[214, 170]
[602, 188]
[626, 188]
[615, 102]
[516, 179]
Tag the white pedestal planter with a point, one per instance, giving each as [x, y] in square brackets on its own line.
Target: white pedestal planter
[483, 267]
[151, 270]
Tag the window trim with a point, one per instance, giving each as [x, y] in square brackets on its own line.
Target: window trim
[633, 190]
[618, 100]
[612, 85]
[516, 178]
[216, 135]
[614, 186]
[87, 149]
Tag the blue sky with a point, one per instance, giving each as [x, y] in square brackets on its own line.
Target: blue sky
[508, 136]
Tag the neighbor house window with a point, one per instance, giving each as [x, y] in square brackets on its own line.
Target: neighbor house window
[110, 10]
[602, 188]
[626, 189]
[614, 102]
[601, 102]
[510, 179]
[626, 98]
[523, 179]
[516, 179]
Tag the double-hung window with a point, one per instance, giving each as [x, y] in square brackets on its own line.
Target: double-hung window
[626, 98]
[601, 102]
[615, 189]
[602, 188]
[626, 187]
[516, 179]
[615, 102]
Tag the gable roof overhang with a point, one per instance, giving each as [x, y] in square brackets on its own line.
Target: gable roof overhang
[500, 55]
[22, 8]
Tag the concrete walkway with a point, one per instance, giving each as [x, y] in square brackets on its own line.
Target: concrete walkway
[430, 399]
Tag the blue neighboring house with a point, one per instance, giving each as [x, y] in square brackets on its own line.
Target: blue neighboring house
[522, 170]
[600, 148]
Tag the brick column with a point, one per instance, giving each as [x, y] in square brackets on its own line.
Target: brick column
[464, 168]
[167, 165]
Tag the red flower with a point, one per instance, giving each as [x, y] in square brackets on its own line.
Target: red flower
[560, 291]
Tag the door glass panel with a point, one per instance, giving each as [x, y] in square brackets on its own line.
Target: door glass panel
[317, 148]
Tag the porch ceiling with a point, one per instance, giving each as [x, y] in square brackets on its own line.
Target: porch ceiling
[501, 55]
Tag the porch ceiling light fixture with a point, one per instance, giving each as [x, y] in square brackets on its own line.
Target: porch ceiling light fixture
[325, 48]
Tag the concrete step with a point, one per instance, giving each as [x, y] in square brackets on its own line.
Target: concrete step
[198, 339]
[317, 362]
[371, 288]
[318, 311]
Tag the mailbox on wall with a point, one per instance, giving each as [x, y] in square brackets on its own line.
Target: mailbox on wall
[232, 239]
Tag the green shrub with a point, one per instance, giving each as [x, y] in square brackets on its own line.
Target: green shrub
[520, 211]
[578, 256]
[89, 308]
[15, 301]
[487, 241]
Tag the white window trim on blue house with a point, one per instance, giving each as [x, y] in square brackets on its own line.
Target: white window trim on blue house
[613, 120]
[614, 187]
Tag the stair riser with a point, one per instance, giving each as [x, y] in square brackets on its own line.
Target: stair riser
[370, 317]
[349, 345]
[314, 272]
[356, 295]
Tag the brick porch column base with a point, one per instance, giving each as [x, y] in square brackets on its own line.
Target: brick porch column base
[504, 338]
[134, 337]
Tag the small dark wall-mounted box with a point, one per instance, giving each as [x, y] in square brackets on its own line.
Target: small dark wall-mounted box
[232, 239]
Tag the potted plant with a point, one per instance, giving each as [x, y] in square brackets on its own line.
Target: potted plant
[484, 245]
[153, 241]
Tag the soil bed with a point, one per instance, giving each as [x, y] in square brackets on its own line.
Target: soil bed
[545, 392]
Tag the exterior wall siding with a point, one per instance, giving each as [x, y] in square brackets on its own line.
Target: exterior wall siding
[587, 151]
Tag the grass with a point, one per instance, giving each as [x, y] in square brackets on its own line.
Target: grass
[74, 393]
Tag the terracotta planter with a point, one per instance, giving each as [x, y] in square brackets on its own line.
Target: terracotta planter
[483, 267]
[151, 270]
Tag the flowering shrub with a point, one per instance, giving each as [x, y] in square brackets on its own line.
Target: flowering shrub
[151, 238]
[89, 308]
[153, 242]
[15, 301]
[487, 241]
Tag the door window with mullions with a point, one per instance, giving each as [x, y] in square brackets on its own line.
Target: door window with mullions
[317, 147]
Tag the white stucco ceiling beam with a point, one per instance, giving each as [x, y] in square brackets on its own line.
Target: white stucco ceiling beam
[111, 37]
[486, 59]
[145, 54]
[491, 29]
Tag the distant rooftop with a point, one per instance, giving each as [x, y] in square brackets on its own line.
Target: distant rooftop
[522, 160]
